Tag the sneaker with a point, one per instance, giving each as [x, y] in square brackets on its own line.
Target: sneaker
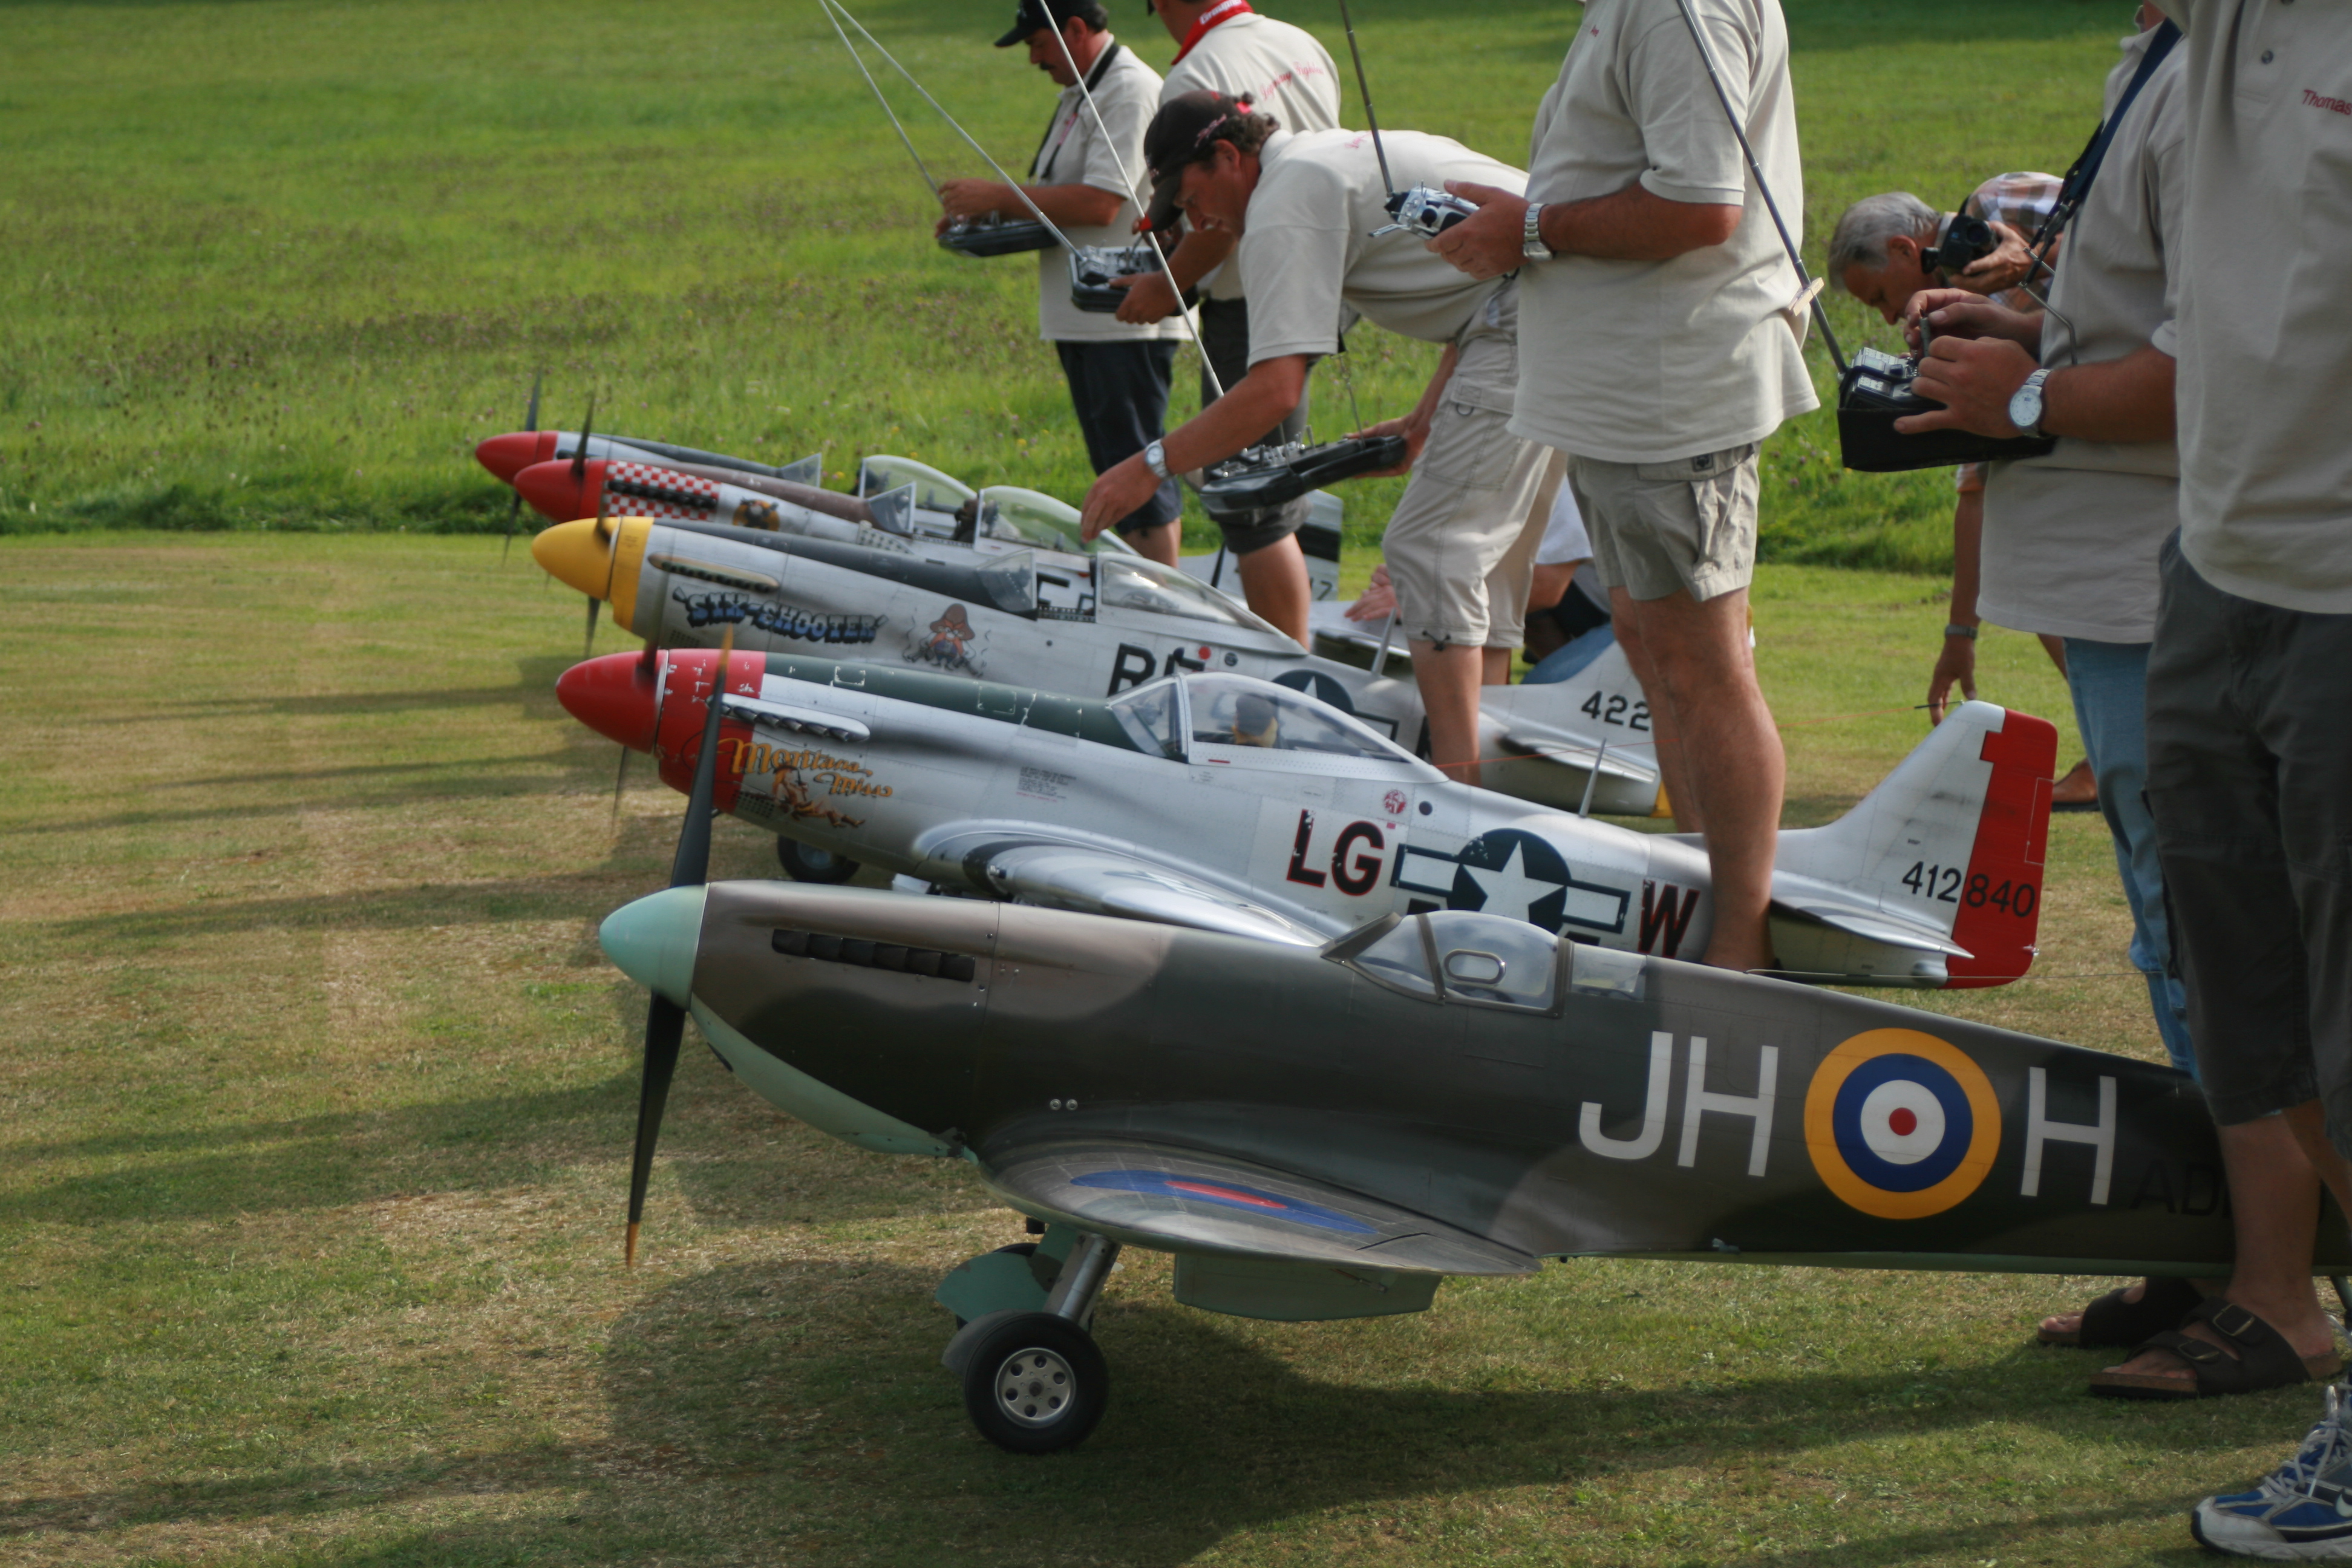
[2300, 1512]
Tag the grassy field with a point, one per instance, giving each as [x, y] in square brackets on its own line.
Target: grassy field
[314, 1155]
[281, 263]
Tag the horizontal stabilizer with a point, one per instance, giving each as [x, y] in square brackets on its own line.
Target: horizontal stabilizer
[1182, 1200]
[1864, 921]
[1102, 882]
[1576, 751]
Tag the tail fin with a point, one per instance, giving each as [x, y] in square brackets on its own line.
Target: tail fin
[1951, 842]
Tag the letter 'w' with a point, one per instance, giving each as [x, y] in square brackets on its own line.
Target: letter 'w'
[1644, 1144]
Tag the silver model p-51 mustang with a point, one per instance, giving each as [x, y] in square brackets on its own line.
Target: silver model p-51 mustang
[1223, 803]
[1329, 1131]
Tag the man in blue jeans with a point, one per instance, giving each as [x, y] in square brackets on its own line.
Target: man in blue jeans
[2070, 548]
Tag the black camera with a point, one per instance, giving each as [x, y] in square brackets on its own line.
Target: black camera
[1966, 241]
[1265, 477]
[995, 236]
[1092, 267]
[1876, 391]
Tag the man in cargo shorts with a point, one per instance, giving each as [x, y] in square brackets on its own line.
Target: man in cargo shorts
[1658, 349]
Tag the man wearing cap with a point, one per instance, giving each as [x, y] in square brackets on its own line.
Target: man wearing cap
[1223, 46]
[1661, 348]
[1302, 208]
[1117, 372]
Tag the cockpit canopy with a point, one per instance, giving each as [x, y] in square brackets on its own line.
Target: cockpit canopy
[1236, 720]
[1485, 961]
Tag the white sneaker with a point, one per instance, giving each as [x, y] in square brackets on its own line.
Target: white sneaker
[2300, 1512]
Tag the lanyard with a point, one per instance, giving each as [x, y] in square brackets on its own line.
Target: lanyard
[1225, 12]
[1044, 173]
[2086, 167]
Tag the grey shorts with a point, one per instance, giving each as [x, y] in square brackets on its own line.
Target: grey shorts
[2250, 781]
[1687, 524]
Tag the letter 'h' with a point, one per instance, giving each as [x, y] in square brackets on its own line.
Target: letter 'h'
[1699, 1100]
[2039, 1130]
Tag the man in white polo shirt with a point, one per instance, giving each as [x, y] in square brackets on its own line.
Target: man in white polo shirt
[1659, 352]
[1304, 209]
[1117, 373]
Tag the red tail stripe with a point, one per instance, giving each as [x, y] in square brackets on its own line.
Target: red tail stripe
[2013, 837]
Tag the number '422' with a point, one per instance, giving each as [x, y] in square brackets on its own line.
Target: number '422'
[1617, 708]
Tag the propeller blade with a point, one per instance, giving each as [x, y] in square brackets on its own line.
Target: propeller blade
[665, 1020]
[620, 781]
[589, 646]
[529, 422]
[580, 453]
[665, 1027]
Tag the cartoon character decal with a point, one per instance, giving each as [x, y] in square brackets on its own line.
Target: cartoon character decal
[950, 643]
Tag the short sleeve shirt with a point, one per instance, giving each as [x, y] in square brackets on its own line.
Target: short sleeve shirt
[2070, 537]
[1282, 69]
[1639, 361]
[2266, 300]
[1307, 250]
[1077, 152]
[2021, 199]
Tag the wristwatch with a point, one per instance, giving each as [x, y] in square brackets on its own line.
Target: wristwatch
[2025, 403]
[1155, 457]
[1531, 245]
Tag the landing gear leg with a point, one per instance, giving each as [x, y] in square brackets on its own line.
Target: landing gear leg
[1035, 1382]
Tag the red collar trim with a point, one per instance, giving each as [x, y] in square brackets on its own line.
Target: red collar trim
[1225, 12]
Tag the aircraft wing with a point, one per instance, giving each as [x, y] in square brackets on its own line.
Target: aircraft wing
[1181, 1200]
[1103, 882]
[1575, 751]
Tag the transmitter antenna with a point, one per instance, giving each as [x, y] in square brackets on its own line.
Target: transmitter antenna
[903, 137]
[1061, 238]
[1365, 92]
[1143, 204]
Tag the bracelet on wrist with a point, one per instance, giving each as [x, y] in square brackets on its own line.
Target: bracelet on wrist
[1956, 630]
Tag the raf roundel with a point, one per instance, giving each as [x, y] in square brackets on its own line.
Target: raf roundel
[1901, 1124]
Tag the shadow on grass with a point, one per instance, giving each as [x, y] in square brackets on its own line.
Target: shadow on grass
[533, 688]
[798, 1409]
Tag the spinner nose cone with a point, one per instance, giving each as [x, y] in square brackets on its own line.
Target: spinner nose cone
[573, 554]
[653, 941]
[617, 696]
[555, 494]
[509, 455]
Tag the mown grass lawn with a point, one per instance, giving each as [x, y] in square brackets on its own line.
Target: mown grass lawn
[316, 1114]
[283, 262]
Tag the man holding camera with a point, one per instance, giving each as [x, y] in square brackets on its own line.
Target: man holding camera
[1302, 210]
[1223, 46]
[1117, 373]
[2071, 546]
[1659, 349]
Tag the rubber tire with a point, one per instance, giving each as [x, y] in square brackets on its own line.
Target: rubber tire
[803, 864]
[1089, 1377]
[1019, 1248]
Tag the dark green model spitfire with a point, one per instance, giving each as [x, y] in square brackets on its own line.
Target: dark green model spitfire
[1329, 1134]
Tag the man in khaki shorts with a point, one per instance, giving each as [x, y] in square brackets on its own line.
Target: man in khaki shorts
[1460, 546]
[1659, 351]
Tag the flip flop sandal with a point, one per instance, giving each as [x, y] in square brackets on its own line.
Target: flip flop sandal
[2112, 1324]
[2264, 1360]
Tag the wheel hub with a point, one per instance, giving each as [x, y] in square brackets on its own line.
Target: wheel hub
[1034, 1386]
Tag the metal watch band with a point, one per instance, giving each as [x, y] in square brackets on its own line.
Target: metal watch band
[1956, 630]
[1531, 245]
[1155, 457]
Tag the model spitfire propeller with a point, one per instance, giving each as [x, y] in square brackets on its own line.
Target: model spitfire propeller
[1330, 1130]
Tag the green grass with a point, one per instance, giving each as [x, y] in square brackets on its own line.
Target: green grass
[281, 263]
[318, 1107]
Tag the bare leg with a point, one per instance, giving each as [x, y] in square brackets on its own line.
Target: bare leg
[1273, 580]
[1682, 795]
[1449, 678]
[2274, 1203]
[1698, 652]
[1159, 543]
[1495, 670]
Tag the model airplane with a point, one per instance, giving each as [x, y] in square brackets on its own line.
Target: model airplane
[1004, 605]
[1329, 1131]
[1228, 803]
